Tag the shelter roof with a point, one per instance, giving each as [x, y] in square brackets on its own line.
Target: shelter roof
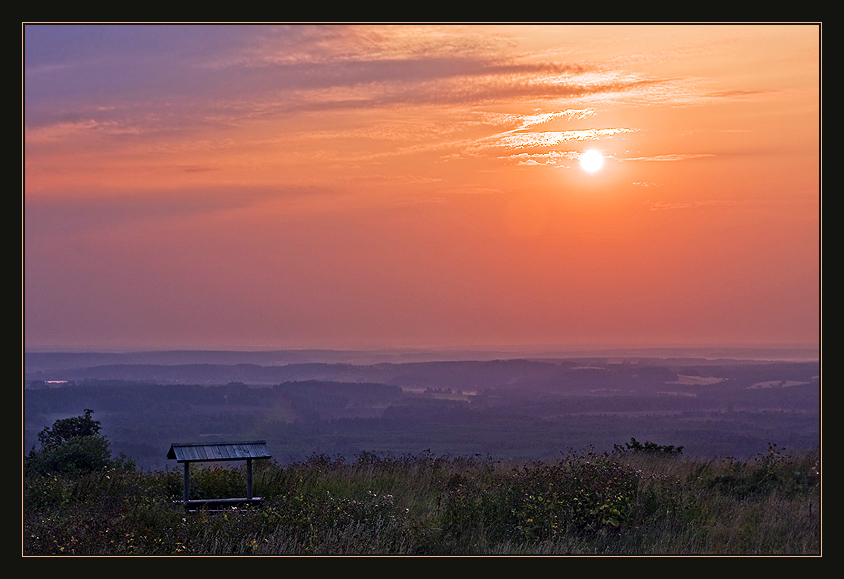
[212, 451]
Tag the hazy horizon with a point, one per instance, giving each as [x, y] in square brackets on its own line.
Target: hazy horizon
[418, 187]
[760, 352]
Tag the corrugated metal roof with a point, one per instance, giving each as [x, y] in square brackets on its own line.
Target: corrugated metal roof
[191, 452]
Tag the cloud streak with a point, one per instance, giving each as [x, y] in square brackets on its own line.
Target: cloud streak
[266, 72]
[553, 138]
[670, 157]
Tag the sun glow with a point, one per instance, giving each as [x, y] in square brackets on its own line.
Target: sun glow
[591, 161]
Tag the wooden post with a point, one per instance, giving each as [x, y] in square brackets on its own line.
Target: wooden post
[187, 481]
[249, 479]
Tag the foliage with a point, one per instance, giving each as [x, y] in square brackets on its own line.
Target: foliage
[542, 502]
[77, 455]
[647, 447]
[620, 503]
[67, 428]
[774, 471]
[72, 446]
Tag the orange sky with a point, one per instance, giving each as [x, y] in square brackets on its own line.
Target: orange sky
[419, 186]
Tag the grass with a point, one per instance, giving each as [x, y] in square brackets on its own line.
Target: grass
[621, 503]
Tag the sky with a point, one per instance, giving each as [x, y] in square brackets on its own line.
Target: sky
[420, 186]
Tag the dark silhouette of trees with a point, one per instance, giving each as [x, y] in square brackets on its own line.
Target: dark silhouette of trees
[72, 446]
[66, 428]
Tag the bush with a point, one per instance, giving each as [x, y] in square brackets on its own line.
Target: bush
[72, 446]
[78, 455]
[647, 447]
[542, 501]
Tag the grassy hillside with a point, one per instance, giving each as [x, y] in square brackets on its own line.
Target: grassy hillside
[634, 500]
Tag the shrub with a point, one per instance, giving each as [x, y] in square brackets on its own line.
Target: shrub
[78, 455]
[72, 446]
[647, 447]
[541, 502]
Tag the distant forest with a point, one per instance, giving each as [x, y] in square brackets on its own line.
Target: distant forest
[531, 409]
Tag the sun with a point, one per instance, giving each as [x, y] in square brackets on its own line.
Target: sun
[591, 161]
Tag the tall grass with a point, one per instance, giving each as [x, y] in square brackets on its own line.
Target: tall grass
[584, 503]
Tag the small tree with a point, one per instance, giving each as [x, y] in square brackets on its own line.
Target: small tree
[67, 428]
[70, 446]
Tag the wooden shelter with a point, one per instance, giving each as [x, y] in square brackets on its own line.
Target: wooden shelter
[218, 451]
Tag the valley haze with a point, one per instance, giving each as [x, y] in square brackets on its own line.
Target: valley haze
[713, 402]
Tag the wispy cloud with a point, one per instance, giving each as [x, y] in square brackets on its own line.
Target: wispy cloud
[568, 114]
[204, 76]
[676, 205]
[553, 138]
[670, 157]
[541, 147]
[549, 158]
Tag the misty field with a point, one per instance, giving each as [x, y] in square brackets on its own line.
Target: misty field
[638, 499]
